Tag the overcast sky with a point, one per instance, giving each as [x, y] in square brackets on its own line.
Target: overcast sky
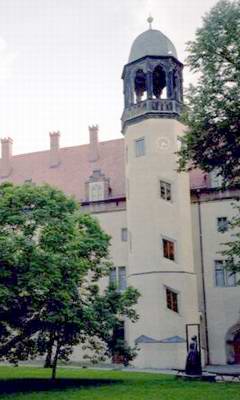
[61, 63]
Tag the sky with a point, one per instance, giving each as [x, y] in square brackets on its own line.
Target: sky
[61, 63]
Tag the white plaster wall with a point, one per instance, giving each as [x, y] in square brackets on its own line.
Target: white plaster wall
[111, 223]
[149, 218]
[159, 355]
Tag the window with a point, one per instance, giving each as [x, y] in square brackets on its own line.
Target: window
[222, 224]
[140, 147]
[165, 191]
[124, 234]
[96, 191]
[172, 300]
[216, 179]
[118, 278]
[223, 277]
[168, 249]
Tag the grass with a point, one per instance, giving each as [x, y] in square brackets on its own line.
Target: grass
[25, 383]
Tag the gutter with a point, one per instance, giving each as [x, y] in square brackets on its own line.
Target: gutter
[203, 278]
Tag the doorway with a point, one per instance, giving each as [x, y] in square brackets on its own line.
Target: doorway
[236, 348]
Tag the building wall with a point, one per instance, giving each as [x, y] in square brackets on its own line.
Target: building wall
[111, 222]
[222, 303]
[151, 218]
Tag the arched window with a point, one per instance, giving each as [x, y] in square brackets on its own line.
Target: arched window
[233, 345]
[140, 85]
[175, 85]
[159, 82]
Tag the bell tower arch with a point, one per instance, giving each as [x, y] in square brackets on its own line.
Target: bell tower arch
[152, 79]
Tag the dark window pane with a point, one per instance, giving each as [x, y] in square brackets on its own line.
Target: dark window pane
[222, 224]
[168, 249]
[122, 279]
[113, 277]
[172, 300]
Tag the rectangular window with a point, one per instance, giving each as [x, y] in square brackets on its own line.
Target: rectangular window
[216, 180]
[113, 277]
[168, 249]
[222, 224]
[122, 278]
[165, 191]
[172, 300]
[96, 191]
[140, 147]
[223, 277]
[124, 234]
[118, 278]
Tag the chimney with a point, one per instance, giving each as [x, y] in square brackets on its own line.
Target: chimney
[93, 154]
[6, 144]
[54, 159]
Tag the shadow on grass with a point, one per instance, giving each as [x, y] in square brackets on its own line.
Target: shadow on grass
[39, 385]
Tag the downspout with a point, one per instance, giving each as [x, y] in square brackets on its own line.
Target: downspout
[203, 278]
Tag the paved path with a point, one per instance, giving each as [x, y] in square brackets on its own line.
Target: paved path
[209, 368]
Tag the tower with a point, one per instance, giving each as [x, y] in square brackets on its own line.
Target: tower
[160, 259]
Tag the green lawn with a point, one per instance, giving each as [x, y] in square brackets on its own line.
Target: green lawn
[26, 383]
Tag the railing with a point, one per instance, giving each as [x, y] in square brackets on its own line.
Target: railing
[164, 106]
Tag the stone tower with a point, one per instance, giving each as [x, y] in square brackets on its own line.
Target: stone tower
[160, 259]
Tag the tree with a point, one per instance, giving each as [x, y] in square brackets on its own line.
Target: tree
[231, 250]
[212, 112]
[51, 259]
[213, 104]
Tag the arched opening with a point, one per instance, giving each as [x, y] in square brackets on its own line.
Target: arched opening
[233, 345]
[175, 85]
[159, 83]
[140, 85]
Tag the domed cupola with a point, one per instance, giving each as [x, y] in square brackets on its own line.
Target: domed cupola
[152, 79]
[151, 43]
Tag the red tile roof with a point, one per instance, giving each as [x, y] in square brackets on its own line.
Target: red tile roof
[75, 169]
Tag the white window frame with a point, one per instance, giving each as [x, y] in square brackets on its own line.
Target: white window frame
[226, 275]
[137, 153]
[216, 180]
[101, 189]
[117, 277]
[177, 292]
[166, 182]
[227, 224]
[175, 248]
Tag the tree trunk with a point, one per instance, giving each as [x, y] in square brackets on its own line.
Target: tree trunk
[55, 360]
[48, 360]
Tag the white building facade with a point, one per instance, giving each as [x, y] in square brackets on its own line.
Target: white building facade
[166, 227]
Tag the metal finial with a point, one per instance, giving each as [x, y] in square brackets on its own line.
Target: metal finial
[150, 20]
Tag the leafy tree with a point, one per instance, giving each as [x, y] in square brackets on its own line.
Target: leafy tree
[213, 104]
[51, 259]
[232, 249]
